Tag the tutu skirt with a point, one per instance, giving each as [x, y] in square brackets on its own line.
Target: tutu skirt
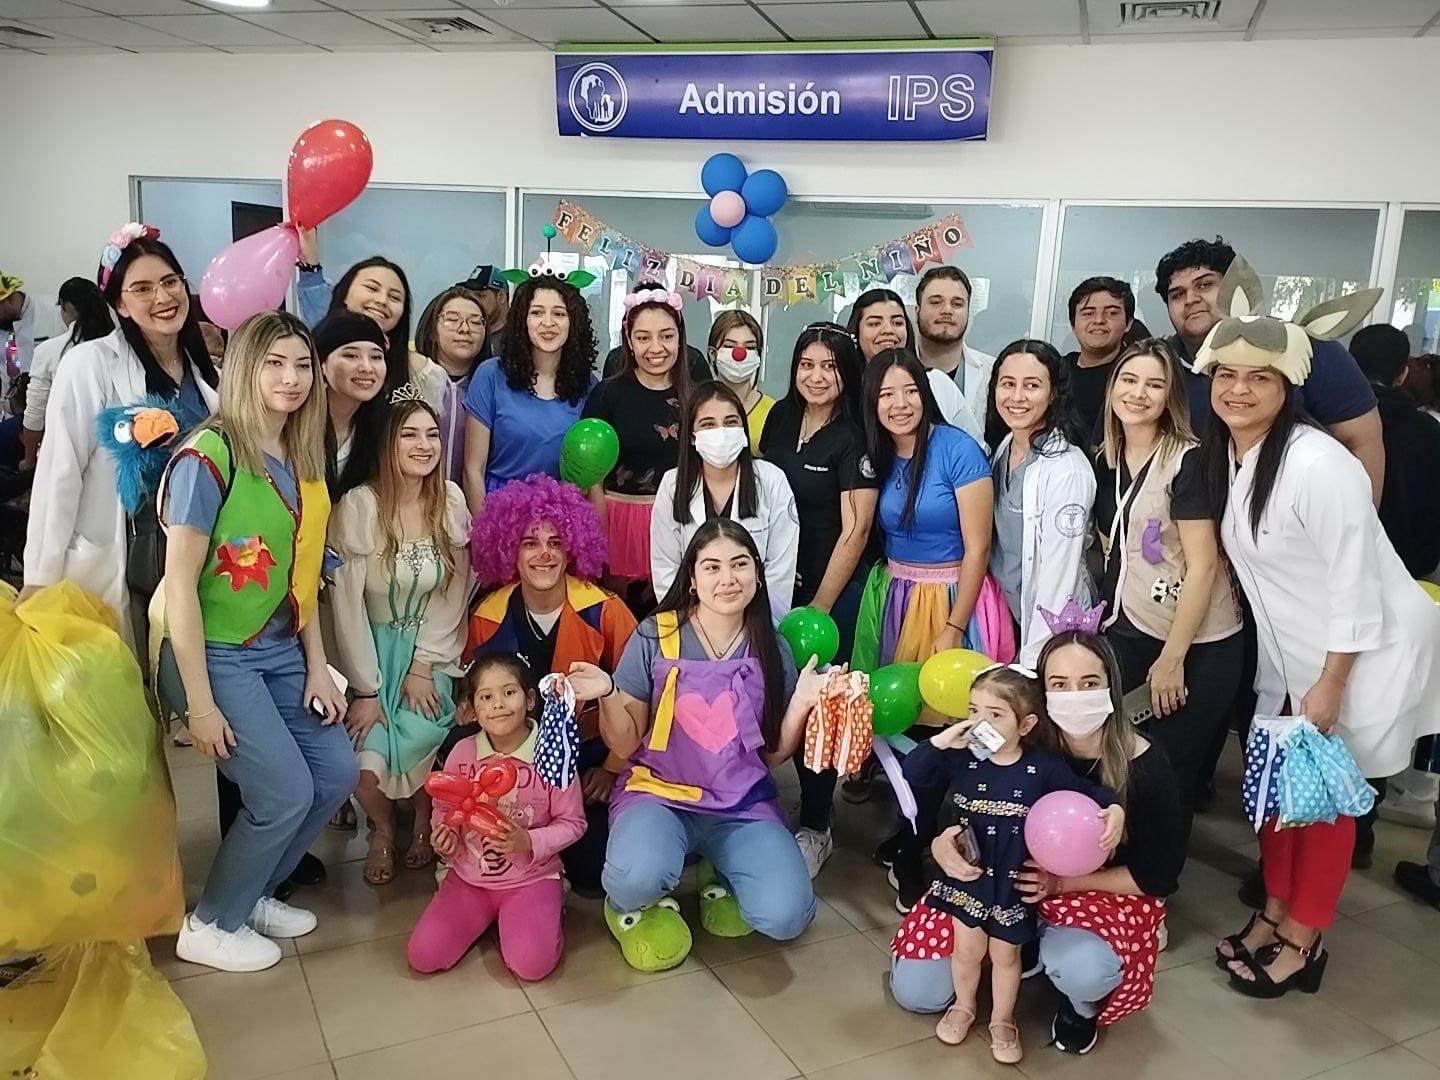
[629, 536]
[905, 607]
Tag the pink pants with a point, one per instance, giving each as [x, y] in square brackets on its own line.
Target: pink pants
[529, 918]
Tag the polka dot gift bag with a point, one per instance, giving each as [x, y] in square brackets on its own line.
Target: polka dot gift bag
[1264, 759]
[1319, 780]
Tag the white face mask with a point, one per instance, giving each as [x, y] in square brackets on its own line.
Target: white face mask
[1080, 712]
[721, 446]
[737, 371]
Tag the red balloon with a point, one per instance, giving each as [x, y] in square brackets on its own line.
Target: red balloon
[497, 777]
[448, 787]
[329, 166]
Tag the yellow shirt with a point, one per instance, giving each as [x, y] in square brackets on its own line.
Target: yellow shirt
[755, 421]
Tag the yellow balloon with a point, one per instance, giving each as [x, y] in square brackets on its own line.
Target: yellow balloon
[945, 679]
[1431, 589]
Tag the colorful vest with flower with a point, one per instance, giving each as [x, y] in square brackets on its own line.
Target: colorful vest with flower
[261, 554]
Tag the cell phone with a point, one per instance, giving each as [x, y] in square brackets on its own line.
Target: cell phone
[1136, 705]
[967, 844]
[341, 683]
[984, 740]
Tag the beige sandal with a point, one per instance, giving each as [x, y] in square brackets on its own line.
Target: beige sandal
[420, 854]
[1005, 1042]
[379, 868]
[954, 1025]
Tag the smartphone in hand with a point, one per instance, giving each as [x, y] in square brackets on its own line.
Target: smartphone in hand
[342, 683]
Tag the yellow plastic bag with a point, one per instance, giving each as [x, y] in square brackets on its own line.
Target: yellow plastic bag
[93, 1011]
[87, 815]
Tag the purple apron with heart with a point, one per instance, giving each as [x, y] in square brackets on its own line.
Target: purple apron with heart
[710, 762]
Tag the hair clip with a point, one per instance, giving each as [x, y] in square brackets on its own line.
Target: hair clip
[406, 392]
[119, 240]
[651, 292]
[1029, 673]
[1074, 617]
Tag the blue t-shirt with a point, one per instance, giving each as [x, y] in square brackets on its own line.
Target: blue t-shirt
[193, 498]
[952, 460]
[525, 431]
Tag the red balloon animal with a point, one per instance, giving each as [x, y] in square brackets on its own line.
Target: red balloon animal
[470, 799]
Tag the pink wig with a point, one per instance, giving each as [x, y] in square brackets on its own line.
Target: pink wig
[515, 509]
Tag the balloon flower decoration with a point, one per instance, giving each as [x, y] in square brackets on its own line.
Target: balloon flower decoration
[741, 203]
[329, 166]
[471, 800]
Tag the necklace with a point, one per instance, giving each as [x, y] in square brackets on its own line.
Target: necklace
[806, 432]
[719, 654]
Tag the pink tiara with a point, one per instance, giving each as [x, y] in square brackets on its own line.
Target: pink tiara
[1074, 617]
[653, 294]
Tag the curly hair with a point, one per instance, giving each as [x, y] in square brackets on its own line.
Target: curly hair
[513, 510]
[1214, 255]
[577, 355]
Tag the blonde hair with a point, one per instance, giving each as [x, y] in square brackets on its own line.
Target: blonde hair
[243, 416]
[732, 319]
[388, 484]
[1176, 434]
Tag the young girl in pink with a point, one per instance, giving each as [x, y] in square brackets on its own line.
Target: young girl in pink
[514, 880]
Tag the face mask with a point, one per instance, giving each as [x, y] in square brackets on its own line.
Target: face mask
[721, 446]
[737, 365]
[1080, 712]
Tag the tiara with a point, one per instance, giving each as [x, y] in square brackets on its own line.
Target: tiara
[407, 392]
[119, 240]
[653, 293]
[1074, 617]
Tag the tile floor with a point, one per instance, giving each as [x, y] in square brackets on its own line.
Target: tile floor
[343, 1004]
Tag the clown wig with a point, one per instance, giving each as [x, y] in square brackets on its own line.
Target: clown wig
[513, 510]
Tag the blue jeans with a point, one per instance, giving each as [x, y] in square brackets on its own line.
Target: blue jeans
[758, 859]
[293, 773]
[1079, 963]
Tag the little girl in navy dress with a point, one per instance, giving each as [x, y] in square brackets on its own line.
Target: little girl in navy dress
[993, 797]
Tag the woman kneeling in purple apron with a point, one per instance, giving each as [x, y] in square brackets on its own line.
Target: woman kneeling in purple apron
[704, 702]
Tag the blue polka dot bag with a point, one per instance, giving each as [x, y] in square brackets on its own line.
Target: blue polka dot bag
[1319, 780]
[1265, 753]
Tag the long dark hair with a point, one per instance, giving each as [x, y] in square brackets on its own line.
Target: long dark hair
[879, 442]
[1215, 457]
[680, 373]
[848, 366]
[577, 355]
[871, 297]
[92, 314]
[193, 352]
[1059, 414]
[690, 473]
[397, 341]
[759, 623]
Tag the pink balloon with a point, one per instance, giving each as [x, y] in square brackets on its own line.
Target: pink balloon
[1063, 831]
[250, 276]
[728, 209]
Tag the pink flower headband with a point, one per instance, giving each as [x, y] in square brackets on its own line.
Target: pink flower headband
[119, 240]
[653, 294]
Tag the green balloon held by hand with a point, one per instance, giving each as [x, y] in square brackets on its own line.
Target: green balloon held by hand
[810, 632]
[590, 450]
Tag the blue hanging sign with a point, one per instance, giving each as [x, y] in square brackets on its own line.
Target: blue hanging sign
[904, 91]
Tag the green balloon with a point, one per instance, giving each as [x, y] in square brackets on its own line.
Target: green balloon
[895, 693]
[810, 632]
[590, 450]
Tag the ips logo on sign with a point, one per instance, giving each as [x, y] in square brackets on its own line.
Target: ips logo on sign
[598, 97]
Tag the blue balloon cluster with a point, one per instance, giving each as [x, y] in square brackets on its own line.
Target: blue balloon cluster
[754, 240]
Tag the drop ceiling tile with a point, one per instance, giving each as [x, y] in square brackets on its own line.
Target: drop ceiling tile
[1041, 39]
[1162, 38]
[82, 50]
[395, 21]
[127, 8]
[495, 46]
[732, 22]
[243, 50]
[568, 24]
[846, 21]
[406, 47]
[219, 30]
[275, 6]
[365, 6]
[1345, 14]
[1001, 18]
[103, 30]
[1105, 20]
[39, 9]
[1350, 33]
[772, 3]
[326, 28]
[486, 8]
[645, 3]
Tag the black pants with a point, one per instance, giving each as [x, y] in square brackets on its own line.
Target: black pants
[585, 859]
[1188, 735]
[817, 795]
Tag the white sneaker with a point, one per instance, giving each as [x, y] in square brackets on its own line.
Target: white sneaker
[1162, 935]
[225, 950]
[1403, 808]
[815, 848]
[277, 919]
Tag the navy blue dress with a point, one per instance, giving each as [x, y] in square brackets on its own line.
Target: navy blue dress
[994, 800]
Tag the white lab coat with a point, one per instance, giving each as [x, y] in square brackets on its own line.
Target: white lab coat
[965, 410]
[1058, 496]
[1322, 577]
[77, 527]
[775, 529]
[42, 374]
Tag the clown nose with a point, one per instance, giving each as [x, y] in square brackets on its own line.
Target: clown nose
[738, 354]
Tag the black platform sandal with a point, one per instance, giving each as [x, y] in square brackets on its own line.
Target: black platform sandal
[1237, 942]
[1307, 979]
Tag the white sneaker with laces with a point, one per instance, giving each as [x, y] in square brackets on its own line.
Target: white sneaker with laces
[225, 950]
[1404, 808]
[277, 919]
[815, 848]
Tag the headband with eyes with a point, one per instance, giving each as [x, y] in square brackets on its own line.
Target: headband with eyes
[541, 269]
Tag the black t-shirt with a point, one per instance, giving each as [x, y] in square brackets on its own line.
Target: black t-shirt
[1154, 846]
[1188, 502]
[700, 370]
[1087, 391]
[534, 646]
[831, 462]
[648, 423]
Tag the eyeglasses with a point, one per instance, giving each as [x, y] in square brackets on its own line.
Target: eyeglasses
[171, 284]
[451, 321]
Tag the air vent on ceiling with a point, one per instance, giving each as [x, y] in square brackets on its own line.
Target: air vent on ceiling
[444, 29]
[22, 36]
[1156, 12]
